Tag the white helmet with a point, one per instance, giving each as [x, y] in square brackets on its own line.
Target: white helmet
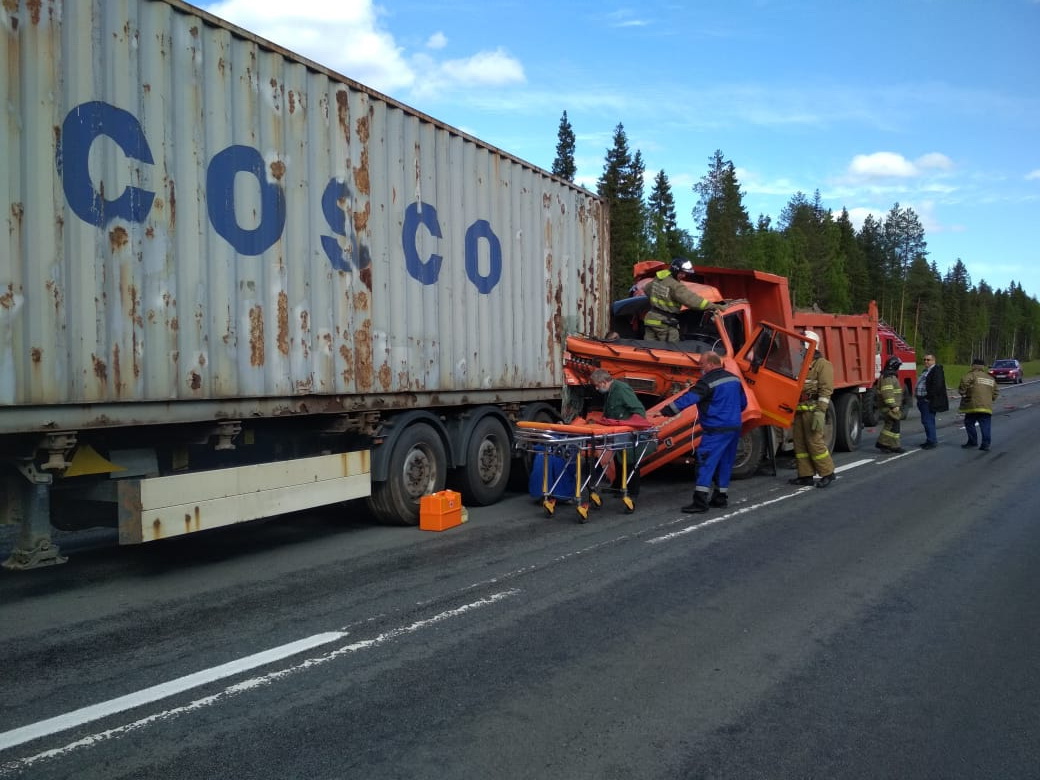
[813, 337]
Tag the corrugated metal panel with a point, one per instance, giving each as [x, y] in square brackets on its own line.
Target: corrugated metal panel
[194, 215]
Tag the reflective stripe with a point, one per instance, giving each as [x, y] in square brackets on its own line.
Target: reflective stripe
[822, 455]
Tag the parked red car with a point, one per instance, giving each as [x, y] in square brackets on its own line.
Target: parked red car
[1009, 370]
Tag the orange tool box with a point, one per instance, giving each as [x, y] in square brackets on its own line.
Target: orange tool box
[440, 511]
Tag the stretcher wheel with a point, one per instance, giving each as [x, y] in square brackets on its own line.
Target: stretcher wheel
[549, 505]
[595, 500]
[630, 505]
[583, 513]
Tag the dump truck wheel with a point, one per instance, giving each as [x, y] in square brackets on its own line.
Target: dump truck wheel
[749, 453]
[848, 423]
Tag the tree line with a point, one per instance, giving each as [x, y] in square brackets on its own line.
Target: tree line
[828, 262]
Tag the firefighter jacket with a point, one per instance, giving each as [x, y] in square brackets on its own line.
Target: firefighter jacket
[667, 297]
[720, 399]
[891, 394]
[819, 385]
[978, 392]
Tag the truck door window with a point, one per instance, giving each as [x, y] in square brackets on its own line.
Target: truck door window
[734, 324]
[775, 351]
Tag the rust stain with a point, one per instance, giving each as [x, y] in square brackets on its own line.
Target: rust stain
[366, 277]
[363, 356]
[100, 369]
[278, 170]
[17, 212]
[37, 354]
[175, 324]
[343, 113]
[283, 323]
[361, 218]
[118, 238]
[172, 197]
[7, 298]
[256, 336]
[194, 380]
[292, 101]
[117, 371]
[385, 376]
[361, 180]
[347, 356]
[35, 10]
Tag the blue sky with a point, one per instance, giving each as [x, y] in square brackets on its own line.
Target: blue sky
[934, 104]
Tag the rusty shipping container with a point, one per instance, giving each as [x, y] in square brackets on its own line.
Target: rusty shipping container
[203, 226]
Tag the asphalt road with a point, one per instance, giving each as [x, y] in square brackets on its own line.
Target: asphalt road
[886, 627]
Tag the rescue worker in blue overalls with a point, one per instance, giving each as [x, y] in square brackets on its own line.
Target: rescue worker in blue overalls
[720, 399]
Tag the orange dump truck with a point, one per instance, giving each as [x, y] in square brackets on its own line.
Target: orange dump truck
[760, 336]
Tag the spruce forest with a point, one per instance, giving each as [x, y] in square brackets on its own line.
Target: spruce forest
[829, 263]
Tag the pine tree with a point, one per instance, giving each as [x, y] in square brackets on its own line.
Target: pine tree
[563, 166]
[621, 185]
[722, 220]
[664, 238]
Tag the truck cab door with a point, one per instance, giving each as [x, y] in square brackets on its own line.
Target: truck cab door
[774, 362]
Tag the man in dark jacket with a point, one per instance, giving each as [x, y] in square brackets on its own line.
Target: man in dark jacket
[932, 398]
[621, 406]
[720, 400]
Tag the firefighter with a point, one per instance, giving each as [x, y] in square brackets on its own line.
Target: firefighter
[891, 394]
[667, 297]
[978, 392]
[720, 399]
[810, 449]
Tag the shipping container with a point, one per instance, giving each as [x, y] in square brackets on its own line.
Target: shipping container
[225, 262]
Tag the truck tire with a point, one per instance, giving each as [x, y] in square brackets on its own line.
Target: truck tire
[749, 453]
[483, 479]
[871, 416]
[848, 427]
[830, 429]
[907, 403]
[418, 466]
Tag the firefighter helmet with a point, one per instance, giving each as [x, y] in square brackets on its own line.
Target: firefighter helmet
[892, 364]
[812, 337]
[681, 265]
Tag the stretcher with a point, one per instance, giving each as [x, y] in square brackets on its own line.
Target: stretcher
[588, 450]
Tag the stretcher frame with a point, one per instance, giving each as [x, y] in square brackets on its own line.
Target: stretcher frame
[589, 448]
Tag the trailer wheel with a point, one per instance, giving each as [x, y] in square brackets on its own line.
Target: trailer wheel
[418, 466]
[848, 423]
[749, 454]
[483, 479]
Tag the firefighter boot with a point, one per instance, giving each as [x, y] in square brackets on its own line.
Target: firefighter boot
[720, 500]
[700, 503]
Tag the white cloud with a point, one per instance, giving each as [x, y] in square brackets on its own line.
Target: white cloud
[486, 67]
[890, 165]
[348, 38]
[345, 37]
[881, 165]
[1033, 174]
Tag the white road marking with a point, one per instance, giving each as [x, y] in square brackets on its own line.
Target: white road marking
[78, 717]
[751, 508]
[94, 712]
